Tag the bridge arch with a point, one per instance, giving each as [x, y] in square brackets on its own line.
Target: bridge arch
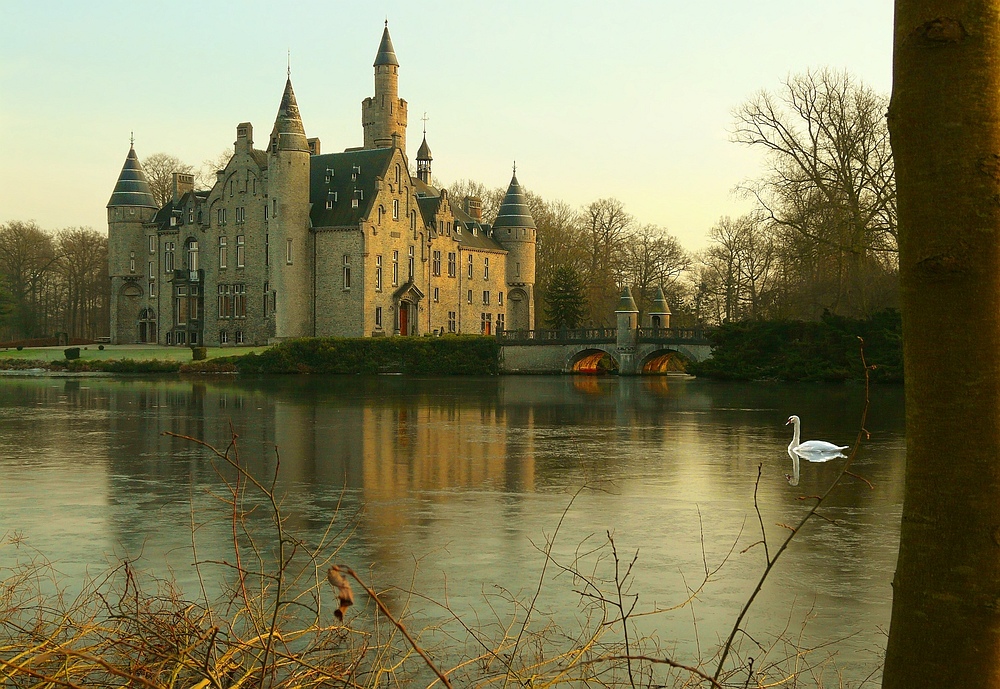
[592, 360]
[663, 360]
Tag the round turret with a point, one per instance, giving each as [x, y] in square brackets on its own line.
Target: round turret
[515, 229]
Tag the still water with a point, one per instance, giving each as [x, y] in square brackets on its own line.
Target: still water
[452, 485]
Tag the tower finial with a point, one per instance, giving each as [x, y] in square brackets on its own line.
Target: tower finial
[515, 168]
[289, 63]
[387, 21]
[131, 140]
[425, 118]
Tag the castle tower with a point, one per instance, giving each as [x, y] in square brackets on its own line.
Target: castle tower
[288, 221]
[514, 228]
[384, 116]
[659, 311]
[424, 159]
[129, 249]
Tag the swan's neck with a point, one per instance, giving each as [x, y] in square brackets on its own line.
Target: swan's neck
[795, 434]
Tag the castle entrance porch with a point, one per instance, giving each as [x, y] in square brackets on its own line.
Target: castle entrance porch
[407, 299]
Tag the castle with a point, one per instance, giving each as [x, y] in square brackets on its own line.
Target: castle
[291, 242]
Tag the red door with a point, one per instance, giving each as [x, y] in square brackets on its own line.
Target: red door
[404, 318]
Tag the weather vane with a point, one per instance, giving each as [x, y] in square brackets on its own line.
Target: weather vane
[425, 118]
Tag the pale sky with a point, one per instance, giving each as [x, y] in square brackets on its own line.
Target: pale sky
[592, 99]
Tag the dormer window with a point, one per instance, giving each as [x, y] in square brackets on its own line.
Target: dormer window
[329, 175]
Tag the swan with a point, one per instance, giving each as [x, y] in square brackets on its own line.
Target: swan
[811, 451]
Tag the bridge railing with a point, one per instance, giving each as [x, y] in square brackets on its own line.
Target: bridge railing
[673, 335]
[543, 336]
[601, 336]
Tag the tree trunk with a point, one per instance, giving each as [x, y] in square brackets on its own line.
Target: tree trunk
[945, 125]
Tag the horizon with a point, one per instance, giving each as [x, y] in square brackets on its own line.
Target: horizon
[631, 101]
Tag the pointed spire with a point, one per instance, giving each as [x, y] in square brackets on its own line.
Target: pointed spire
[659, 306]
[132, 188]
[288, 133]
[514, 211]
[386, 54]
[626, 304]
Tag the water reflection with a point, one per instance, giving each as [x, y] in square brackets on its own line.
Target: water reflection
[457, 479]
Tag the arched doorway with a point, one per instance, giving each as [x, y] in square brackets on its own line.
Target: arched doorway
[407, 299]
[147, 325]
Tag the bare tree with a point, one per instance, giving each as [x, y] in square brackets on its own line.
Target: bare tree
[83, 268]
[605, 225]
[945, 123]
[27, 256]
[830, 177]
[159, 169]
[207, 174]
[652, 258]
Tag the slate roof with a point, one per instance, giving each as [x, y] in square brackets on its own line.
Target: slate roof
[482, 238]
[259, 157]
[626, 304]
[514, 210]
[386, 54]
[132, 188]
[659, 305]
[170, 209]
[424, 152]
[345, 181]
[288, 120]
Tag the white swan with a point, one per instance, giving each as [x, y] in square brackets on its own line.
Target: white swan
[811, 450]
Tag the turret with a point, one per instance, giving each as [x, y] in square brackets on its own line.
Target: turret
[627, 315]
[383, 117]
[514, 228]
[424, 159]
[288, 221]
[130, 248]
[659, 311]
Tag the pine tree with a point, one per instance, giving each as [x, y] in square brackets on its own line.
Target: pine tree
[565, 301]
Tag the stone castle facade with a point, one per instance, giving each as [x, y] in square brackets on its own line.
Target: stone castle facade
[292, 242]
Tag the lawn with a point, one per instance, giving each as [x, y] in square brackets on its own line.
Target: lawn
[135, 352]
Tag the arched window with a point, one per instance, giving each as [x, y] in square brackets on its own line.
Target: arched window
[413, 220]
[397, 175]
[381, 212]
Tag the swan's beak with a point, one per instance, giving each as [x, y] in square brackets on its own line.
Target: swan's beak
[788, 422]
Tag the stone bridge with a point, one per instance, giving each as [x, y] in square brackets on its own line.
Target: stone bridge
[628, 350]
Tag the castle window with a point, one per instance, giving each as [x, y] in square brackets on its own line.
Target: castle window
[152, 270]
[436, 264]
[451, 321]
[355, 171]
[437, 295]
[274, 208]
[239, 301]
[452, 268]
[329, 175]
[254, 186]
[225, 302]
[470, 266]
[221, 216]
[378, 316]
[288, 251]
[168, 257]
[267, 249]
[378, 273]
[395, 208]
[265, 212]
[223, 252]
[267, 299]
[381, 212]
[347, 272]
[397, 174]
[486, 298]
[152, 244]
[131, 262]
[486, 268]
[192, 255]
[240, 215]
[241, 250]
[223, 337]
[500, 322]
[329, 204]
[230, 187]
[152, 289]
[413, 220]
[410, 264]
[486, 324]
[469, 299]
[395, 268]
[500, 298]
[180, 306]
[517, 269]
[240, 338]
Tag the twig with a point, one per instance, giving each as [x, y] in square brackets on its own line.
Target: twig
[756, 506]
[399, 625]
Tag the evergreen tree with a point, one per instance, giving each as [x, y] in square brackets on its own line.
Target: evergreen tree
[565, 301]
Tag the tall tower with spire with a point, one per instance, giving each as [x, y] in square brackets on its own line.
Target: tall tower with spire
[514, 228]
[383, 117]
[288, 221]
[130, 207]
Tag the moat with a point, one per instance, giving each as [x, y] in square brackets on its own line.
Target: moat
[453, 485]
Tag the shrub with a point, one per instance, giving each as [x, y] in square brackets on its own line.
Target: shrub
[72, 353]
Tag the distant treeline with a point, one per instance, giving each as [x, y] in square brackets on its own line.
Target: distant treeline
[824, 350]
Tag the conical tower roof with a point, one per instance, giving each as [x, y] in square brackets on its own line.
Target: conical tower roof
[424, 152]
[132, 188]
[386, 54]
[627, 304]
[514, 211]
[288, 120]
[659, 305]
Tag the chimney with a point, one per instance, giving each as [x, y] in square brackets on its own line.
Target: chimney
[182, 184]
[473, 205]
[313, 146]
